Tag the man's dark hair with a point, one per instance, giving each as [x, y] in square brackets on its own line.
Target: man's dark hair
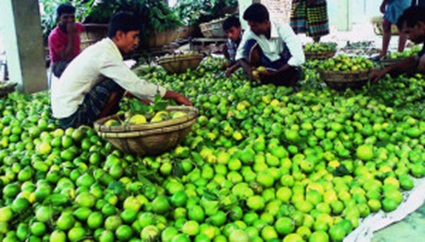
[257, 12]
[64, 8]
[123, 21]
[230, 22]
[412, 16]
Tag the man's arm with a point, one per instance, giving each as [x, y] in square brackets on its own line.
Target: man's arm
[232, 69]
[226, 52]
[142, 89]
[241, 57]
[405, 65]
[383, 6]
[180, 99]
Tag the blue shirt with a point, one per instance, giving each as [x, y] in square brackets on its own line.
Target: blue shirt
[232, 47]
[395, 8]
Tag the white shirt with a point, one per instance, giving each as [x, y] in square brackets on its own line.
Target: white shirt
[102, 59]
[280, 33]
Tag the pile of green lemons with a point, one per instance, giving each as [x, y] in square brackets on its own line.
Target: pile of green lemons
[262, 163]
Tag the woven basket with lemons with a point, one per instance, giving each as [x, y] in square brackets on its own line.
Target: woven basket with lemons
[180, 63]
[319, 51]
[150, 132]
[344, 72]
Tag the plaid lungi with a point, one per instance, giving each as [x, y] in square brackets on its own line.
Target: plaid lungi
[311, 19]
[93, 104]
[59, 67]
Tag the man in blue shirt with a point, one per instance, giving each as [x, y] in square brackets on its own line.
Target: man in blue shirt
[412, 23]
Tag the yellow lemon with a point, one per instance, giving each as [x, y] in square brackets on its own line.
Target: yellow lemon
[137, 119]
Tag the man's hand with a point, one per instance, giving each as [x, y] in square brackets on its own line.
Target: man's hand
[180, 99]
[377, 75]
[229, 72]
[71, 28]
[254, 75]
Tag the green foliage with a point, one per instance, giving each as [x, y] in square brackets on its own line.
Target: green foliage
[154, 15]
[138, 107]
[193, 12]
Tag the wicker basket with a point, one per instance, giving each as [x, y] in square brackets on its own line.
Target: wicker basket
[319, 55]
[378, 26]
[388, 62]
[6, 88]
[341, 80]
[213, 29]
[180, 63]
[150, 138]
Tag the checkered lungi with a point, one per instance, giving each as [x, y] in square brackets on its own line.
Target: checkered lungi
[93, 104]
[311, 19]
[287, 78]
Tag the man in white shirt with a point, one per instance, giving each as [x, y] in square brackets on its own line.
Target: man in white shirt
[95, 81]
[272, 45]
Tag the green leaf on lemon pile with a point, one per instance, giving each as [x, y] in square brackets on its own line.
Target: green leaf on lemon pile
[178, 169]
[159, 104]
[341, 171]
[137, 107]
[116, 187]
[209, 195]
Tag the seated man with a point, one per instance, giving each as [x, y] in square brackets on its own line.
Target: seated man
[233, 29]
[272, 45]
[64, 40]
[94, 82]
[412, 23]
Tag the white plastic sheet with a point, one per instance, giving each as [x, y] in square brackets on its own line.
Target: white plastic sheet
[374, 222]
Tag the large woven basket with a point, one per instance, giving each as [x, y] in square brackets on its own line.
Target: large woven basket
[159, 39]
[149, 138]
[92, 34]
[179, 63]
[341, 80]
[6, 88]
[319, 55]
[213, 29]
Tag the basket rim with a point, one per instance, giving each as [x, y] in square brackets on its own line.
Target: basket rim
[345, 72]
[145, 133]
[319, 52]
[392, 59]
[179, 58]
[7, 84]
[192, 115]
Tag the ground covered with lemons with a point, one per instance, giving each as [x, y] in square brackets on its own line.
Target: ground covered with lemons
[261, 164]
